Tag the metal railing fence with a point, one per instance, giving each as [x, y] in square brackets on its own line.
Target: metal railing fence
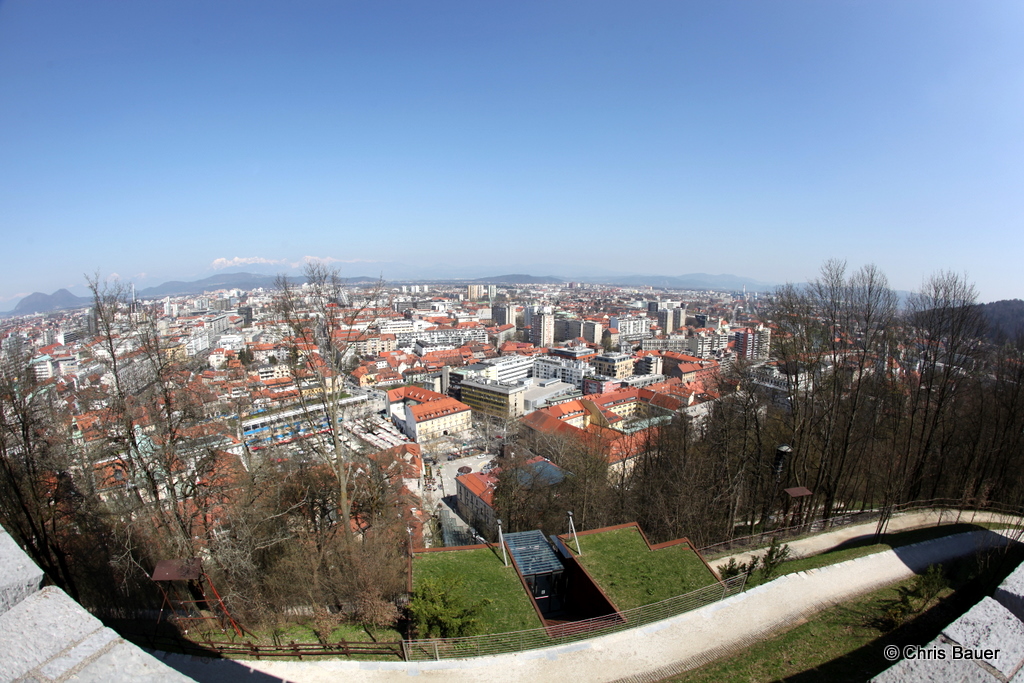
[569, 632]
[573, 631]
[763, 538]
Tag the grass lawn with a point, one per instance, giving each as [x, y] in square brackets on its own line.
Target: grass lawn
[483, 576]
[633, 575]
[867, 546]
[845, 643]
[808, 651]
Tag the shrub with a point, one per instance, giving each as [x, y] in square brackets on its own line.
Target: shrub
[773, 559]
[927, 586]
[439, 609]
[732, 569]
[375, 611]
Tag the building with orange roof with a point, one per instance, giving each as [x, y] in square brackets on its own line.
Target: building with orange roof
[402, 465]
[412, 395]
[574, 413]
[619, 423]
[428, 421]
[475, 493]
[408, 408]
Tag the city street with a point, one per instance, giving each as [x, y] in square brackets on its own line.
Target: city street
[445, 473]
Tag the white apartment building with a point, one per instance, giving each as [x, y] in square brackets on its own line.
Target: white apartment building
[632, 328]
[530, 312]
[563, 369]
[197, 342]
[706, 343]
[396, 326]
[753, 343]
[456, 337]
[542, 330]
[508, 368]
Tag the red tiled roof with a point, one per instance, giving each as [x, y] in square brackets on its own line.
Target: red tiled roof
[436, 409]
[414, 393]
[480, 485]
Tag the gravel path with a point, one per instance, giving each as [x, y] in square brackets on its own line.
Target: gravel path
[647, 653]
[819, 543]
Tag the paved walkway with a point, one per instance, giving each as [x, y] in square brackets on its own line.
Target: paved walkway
[819, 543]
[645, 653]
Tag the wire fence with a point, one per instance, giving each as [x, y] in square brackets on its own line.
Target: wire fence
[564, 632]
[207, 645]
[569, 632]
[202, 647]
[964, 514]
[763, 538]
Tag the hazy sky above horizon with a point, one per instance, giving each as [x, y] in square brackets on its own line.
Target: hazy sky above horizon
[167, 139]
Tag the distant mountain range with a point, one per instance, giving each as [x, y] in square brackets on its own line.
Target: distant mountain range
[519, 279]
[695, 281]
[700, 281]
[1004, 319]
[214, 282]
[62, 298]
[38, 302]
[246, 281]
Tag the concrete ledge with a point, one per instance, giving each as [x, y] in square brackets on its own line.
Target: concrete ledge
[985, 644]
[39, 628]
[47, 636]
[19, 576]
[991, 630]
[126, 662]
[1010, 593]
[933, 669]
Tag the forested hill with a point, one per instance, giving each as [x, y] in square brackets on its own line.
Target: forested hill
[1004, 319]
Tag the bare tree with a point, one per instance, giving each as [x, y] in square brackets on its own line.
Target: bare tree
[834, 337]
[324, 334]
[35, 478]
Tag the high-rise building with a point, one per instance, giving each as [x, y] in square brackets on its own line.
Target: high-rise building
[567, 328]
[501, 315]
[753, 344]
[592, 331]
[542, 331]
[632, 328]
[671, 319]
[614, 365]
[246, 313]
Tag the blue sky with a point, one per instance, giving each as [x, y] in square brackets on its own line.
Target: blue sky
[161, 140]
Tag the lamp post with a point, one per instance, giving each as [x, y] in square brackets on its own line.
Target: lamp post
[501, 542]
[572, 528]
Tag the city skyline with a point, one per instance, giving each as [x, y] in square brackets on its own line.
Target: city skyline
[178, 140]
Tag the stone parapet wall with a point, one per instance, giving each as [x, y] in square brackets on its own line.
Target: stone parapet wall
[47, 636]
